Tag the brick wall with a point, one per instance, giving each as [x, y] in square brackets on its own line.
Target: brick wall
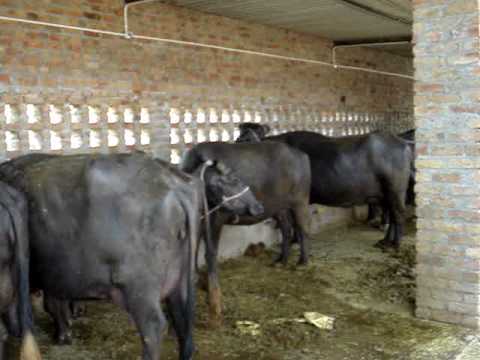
[44, 66]
[447, 112]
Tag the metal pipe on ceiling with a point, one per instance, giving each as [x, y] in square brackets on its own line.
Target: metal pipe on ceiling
[130, 35]
[126, 7]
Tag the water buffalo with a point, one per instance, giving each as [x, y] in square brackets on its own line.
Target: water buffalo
[14, 269]
[349, 171]
[374, 210]
[277, 174]
[122, 227]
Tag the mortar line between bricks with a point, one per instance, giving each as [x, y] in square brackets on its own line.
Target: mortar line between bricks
[202, 45]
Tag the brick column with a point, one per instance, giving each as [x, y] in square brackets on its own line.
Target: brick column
[447, 111]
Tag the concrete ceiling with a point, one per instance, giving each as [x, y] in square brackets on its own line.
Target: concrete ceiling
[343, 21]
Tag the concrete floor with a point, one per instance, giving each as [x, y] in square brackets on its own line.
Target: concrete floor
[369, 293]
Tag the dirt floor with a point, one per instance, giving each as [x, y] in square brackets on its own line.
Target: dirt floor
[369, 293]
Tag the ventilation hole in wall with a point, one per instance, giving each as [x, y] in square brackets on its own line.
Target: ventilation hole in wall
[187, 117]
[75, 116]
[128, 116]
[201, 137]
[201, 116]
[187, 137]
[275, 117]
[144, 116]
[225, 135]
[33, 114]
[11, 114]
[247, 116]
[55, 141]
[34, 140]
[129, 137]
[175, 156]
[112, 115]
[258, 117]
[112, 138]
[76, 140]
[174, 116]
[12, 141]
[174, 138]
[225, 117]
[144, 137]
[236, 133]
[236, 117]
[213, 135]
[213, 117]
[55, 114]
[93, 115]
[94, 139]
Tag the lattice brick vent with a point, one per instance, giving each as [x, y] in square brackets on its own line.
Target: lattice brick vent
[72, 128]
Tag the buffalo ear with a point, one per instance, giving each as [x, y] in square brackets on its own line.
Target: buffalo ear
[224, 169]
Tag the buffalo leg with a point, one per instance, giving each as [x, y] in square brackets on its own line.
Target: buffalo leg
[396, 211]
[214, 292]
[3, 339]
[385, 217]
[149, 319]
[397, 218]
[372, 213]
[59, 310]
[10, 318]
[180, 307]
[77, 309]
[286, 222]
[302, 228]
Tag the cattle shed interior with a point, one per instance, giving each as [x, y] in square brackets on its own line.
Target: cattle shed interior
[107, 76]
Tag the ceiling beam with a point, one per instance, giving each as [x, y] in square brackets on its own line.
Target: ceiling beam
[374, 41]
[369, 10]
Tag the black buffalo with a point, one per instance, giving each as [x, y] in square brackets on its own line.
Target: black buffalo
[121, 227]
[355, 170]
[277, 174]
[14, 269]
[374, 210]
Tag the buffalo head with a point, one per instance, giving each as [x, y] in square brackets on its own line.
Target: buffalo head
[225, 189]
[251, 132]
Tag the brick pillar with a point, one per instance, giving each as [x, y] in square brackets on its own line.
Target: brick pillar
[447, 111]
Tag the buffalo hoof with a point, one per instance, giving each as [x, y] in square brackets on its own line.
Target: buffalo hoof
[302, 262]
[64, 339]
[386, 245]
[280, 259]
[382, 244]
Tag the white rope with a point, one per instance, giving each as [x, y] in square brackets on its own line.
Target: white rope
[130, 35]
[225, 199]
